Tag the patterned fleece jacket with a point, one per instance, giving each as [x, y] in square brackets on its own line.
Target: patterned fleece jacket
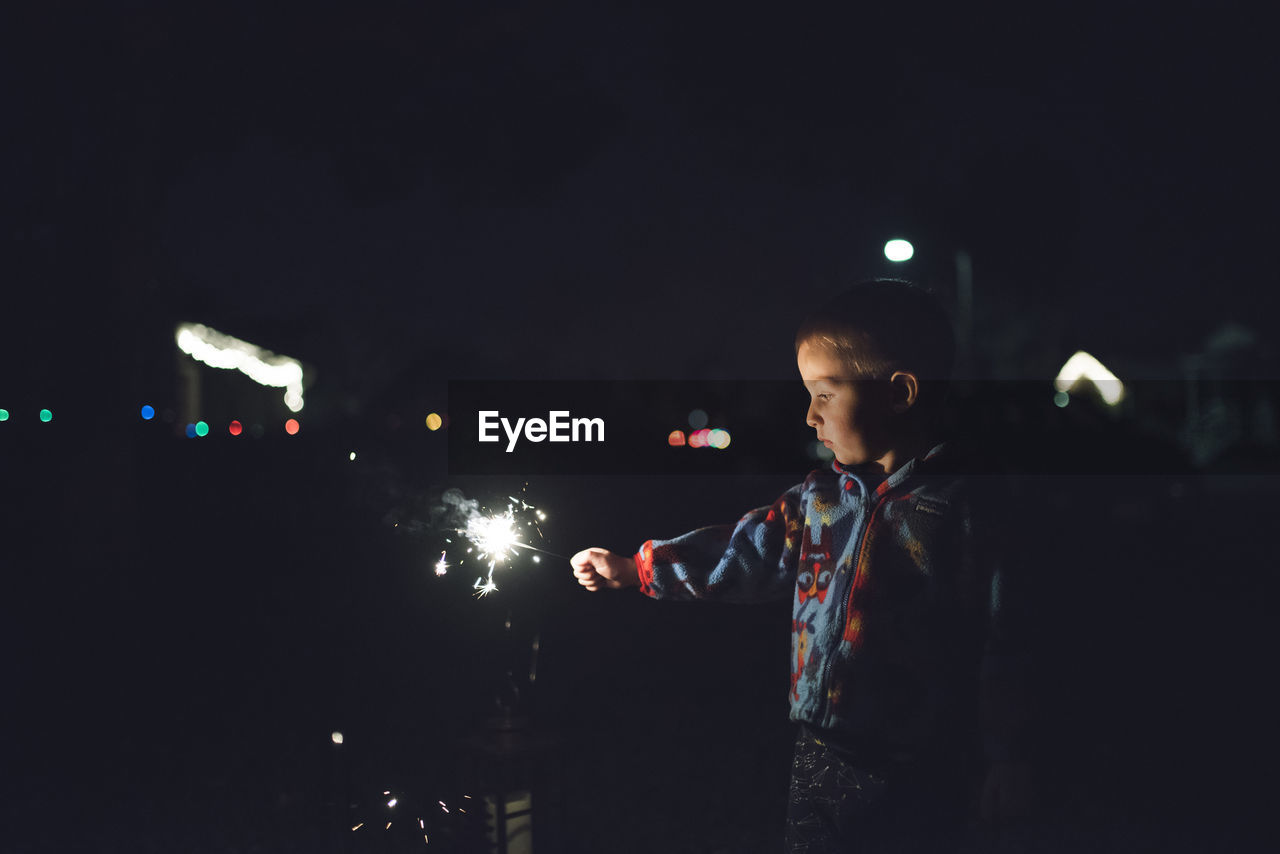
[903, 628]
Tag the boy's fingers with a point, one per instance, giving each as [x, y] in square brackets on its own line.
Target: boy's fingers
[587, 557]
[585, 571]
[584, 568]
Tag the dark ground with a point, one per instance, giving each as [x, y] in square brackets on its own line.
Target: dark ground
[174, 689]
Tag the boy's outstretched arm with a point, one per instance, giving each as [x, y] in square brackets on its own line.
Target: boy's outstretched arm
[598, 569]
[750, 561]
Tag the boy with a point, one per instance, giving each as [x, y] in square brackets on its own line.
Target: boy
[898, 615]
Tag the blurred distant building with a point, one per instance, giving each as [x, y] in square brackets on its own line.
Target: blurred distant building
[1230, 397]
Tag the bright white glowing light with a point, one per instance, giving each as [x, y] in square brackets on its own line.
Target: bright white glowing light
[352, 457]
[899, 250]
[494, 537]
[1083, 366]
[337, 737]
[393, 802]
[218, 350]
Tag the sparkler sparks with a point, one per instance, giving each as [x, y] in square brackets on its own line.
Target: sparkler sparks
[495, 537]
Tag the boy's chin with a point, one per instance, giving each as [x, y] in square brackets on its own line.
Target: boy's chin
[853, 459]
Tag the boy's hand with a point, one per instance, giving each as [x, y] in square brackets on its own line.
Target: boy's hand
[597, 569]
[1007, 793]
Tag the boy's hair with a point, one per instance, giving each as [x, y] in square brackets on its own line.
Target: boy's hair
[884, 325]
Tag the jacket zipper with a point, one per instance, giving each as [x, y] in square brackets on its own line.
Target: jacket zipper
[846, 604]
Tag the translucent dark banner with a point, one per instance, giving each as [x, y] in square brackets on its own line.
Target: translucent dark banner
[1153, 427]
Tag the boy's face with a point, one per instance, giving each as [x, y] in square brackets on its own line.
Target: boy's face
[851, 416]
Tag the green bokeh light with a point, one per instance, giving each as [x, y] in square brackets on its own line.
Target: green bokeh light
[46, 416]
[202, 429]
[4, 415]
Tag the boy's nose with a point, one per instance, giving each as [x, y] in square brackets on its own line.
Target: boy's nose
[812, 419]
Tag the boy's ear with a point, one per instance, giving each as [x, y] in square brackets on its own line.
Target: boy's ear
[904, 391]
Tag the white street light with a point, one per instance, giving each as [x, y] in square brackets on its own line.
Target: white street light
[899, 250]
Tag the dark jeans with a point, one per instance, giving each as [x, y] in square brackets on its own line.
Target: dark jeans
[838, 806]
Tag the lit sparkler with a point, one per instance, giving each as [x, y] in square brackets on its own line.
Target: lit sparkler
[496, 537]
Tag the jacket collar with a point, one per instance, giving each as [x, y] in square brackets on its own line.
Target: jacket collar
[870, 473]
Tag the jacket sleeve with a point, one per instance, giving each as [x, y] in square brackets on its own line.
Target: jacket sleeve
[752, 561]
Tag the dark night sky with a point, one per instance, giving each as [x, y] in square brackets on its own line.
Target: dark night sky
[580, 190]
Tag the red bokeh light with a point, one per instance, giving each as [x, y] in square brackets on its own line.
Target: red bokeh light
[235, 428]
[291, 426]
[676, 439]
